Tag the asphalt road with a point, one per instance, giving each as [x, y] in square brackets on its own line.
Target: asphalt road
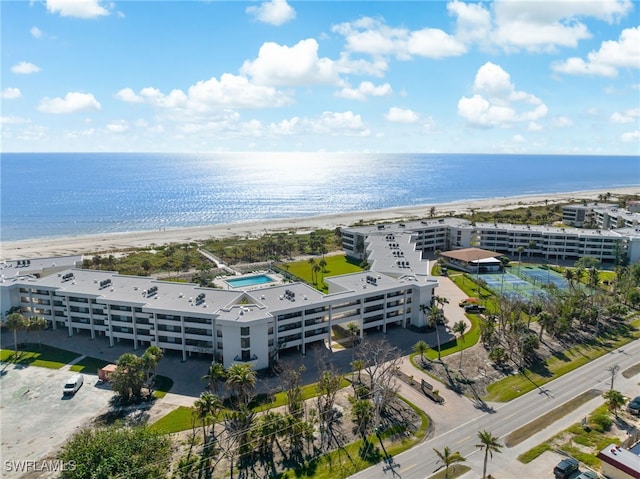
[421, 462]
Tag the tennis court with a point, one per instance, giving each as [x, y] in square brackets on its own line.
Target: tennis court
[527, 283]
[541, 276]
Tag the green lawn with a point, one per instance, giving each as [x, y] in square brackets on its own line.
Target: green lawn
[471, 337]
[336, 265]
[162, 385]
[89, 365]
[31, 354]
[177, 420]
[180, 419]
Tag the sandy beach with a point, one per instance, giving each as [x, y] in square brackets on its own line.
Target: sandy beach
[100, 243]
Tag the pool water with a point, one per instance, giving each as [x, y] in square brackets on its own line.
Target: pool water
[249, 281]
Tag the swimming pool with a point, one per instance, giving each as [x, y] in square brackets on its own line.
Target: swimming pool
[250, 281]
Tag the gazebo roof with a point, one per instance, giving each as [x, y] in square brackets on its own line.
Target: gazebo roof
[470, 254]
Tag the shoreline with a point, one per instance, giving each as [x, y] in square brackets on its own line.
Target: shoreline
[100, 243]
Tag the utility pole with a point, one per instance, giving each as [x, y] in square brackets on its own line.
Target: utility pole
[613, 370]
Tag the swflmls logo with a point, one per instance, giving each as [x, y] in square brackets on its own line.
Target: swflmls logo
[39, 466]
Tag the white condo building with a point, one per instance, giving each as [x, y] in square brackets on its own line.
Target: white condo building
[232, 325]
[548, 242]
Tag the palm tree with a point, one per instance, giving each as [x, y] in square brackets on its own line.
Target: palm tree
[433, 322]
[570, 277]
[15, 322]
[354, 331]
[37, 324]
[546, 321]
[216, 373]
[421, 347]
[151, 358]
[357, 365]
[241, 380]
[460, 327]
[315, 269]
[448, 458]
[312, 263]
[490, 444]
[206, 408]
[520, 251]
[614, 400]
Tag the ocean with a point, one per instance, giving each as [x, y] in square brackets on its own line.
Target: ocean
[68, 194]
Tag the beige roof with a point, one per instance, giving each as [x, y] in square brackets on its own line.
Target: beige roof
[470, 254]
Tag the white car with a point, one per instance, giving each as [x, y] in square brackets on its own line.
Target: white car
[73, 384]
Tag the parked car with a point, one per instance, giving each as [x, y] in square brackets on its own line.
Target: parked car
[634, 405]
[474, 308]
[565, 468]
[468, 301]
[588, 475]
[73, 384]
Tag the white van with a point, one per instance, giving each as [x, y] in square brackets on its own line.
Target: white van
[73, 384]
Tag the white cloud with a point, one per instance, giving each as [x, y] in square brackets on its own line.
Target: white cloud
[11, 93]
[25, 68]
[72, 102]
[561, 122]
[289, 66]
[365, 89]
[35, 32]
[630, 137]
[628, 116]
[496, 102]
[128, 95]
[434, 43]
[372, 36]
[401, 115]
[473, 22]
[519, 138]
[119, 126]
[534, 126]
[77, 8]
[605, 62]
[208, 96]
[274, 12]
[13, 120]
[534, 26]
[329, 123]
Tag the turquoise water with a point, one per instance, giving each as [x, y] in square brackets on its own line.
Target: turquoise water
[68, 194]
[249, 281]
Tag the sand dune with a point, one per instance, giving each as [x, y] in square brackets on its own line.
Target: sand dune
[61, 246]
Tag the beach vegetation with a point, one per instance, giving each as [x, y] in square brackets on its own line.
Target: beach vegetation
[116, 451]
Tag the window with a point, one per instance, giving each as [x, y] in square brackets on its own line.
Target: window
[245, 342]
[219, 344]
[244, 331]
[246, 355]
[218, 333]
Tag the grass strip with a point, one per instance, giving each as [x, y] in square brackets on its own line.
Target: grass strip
[162, 385]
[40, 355]
[537, 425]
[632, 371]
[456, 470]
[471, 337]
[89, 365]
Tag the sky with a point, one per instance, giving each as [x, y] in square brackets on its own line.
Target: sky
[508, 76]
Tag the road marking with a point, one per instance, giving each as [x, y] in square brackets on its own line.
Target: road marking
[463, 440]
[408, 468]
[510, 415]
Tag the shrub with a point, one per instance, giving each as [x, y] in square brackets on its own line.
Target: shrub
[601, 422]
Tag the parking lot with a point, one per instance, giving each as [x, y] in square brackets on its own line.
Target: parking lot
[37, 419]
